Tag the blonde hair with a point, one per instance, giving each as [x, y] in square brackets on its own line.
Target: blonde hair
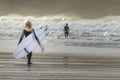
[28, 26]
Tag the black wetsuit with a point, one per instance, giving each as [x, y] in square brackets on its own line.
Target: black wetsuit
[66, 31]
[26, 33]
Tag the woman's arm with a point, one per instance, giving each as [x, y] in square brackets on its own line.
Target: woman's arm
[22, 35]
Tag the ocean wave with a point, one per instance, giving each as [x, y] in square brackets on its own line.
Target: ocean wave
[104, 29]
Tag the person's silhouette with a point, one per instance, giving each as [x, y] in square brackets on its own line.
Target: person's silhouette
[66, 30]
[26, 31]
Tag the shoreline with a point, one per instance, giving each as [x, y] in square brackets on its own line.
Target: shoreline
[8, 46]
[55, 68]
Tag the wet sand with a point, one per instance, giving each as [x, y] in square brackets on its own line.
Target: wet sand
[59, 68]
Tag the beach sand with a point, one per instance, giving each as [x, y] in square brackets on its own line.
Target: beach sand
[60, 63]
[59, 68]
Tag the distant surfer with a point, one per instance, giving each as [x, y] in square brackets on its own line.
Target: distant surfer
[66, 30]
[26, 31]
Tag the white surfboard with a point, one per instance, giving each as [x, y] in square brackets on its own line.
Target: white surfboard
[29, 43]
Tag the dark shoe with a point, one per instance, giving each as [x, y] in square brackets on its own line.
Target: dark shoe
[30, 63]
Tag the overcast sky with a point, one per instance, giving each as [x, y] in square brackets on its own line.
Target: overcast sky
[71, 8]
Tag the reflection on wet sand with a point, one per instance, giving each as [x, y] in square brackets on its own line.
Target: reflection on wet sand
[59, 68]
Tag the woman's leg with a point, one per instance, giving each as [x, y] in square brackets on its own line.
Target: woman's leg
[29, 58]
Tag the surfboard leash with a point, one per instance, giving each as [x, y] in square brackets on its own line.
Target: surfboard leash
[42, 47]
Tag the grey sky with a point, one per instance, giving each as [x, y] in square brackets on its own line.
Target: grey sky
[71, 8]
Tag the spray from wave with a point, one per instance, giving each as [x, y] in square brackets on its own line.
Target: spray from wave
[104, 29]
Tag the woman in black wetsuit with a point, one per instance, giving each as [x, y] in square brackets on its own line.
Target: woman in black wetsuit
[26, 31]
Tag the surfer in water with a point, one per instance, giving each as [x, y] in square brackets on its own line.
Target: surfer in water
[66, 30]
[26, 31]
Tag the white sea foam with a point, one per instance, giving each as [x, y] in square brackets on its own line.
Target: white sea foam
[90, 31]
